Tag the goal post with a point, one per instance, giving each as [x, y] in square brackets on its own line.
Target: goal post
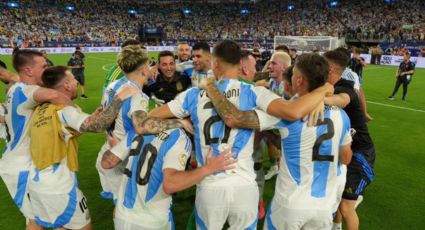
[308, 43]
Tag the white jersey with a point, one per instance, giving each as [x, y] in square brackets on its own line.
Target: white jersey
[19, 105]
[141, 196]
[350, 75]
[123, 125]
[308, 175]
[210, 130]
[188, 69]
[58, 178]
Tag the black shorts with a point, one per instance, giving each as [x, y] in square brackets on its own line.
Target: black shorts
[80, 79]
[359, 173]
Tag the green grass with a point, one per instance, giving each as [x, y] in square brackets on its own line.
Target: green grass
[394, 201]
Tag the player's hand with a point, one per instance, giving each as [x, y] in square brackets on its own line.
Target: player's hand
[127, 91]
[187, 125]
[328, 89]
[224, 161]
[157, 100]
[316, 114]
[368, 117]
[153, 72]
[205, 82]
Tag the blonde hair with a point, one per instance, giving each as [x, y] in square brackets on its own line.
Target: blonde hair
[131, 58]
[284, 57]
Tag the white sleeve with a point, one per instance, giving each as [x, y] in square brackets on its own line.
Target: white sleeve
[121, 150]
[347, 139]
[177, 156]
[29, 91]
[180, 105]
[356, 82]
[138, 103]
[72, 117]
[264, 97]
[267, 122]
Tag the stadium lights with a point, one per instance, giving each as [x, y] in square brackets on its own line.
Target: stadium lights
[187, 11]
[13, 4]
[70, 8]
[132, 12]
[244, 11]
[291, 7]
[333, 4]
[389, 1]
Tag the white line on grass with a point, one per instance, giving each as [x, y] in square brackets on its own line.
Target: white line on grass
[99, 58]
[397, 107]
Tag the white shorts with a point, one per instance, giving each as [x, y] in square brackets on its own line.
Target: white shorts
[121, 224]
[110, 179]
[341, 186]
[236, 204]
[60, 210]
[17, 185]
[279, 217]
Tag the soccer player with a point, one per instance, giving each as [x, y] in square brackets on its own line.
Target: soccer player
[56, 200]
[133, 61]
[76, 63]
[200, 66]
[22, 98]
[183, 52]
[306, 185]
[404, 76]
[115, 72]
[230, 195]
[279, 62]
[360, 170]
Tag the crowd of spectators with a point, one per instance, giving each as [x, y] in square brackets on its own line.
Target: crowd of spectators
[37, 21]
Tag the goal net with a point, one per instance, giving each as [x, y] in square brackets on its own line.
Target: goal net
[308, 43]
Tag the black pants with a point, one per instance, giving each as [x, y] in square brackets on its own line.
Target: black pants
[401, 80]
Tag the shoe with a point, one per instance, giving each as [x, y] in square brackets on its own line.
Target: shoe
[84, 97]
[359, 200]
[272, 172]
[261, 210]
[391, 98]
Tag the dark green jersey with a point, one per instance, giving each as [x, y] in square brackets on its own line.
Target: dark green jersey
[114, 73]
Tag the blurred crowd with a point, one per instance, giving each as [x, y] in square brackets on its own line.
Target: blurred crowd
[37, 21]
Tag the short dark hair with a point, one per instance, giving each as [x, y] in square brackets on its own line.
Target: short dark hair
[344, 50]
[130, 42]
[165, 53]
[287, 75]
[25, 57]
[315, 69]
[202, 46]
[338, 57]
[245, 54]
[228, 51]
[53, 75]
[356, 50]
[283, 48]
[293, 49]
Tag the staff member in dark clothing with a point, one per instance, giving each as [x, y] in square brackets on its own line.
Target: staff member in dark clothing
[404, 76]
[169, 83]
[76, 63]
[360, 170]
[49, 62]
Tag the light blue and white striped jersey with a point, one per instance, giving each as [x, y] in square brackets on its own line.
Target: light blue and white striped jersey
[123, 125]
[188, 69]
[276, 87]
[141, 199]
[210, 130]
[310, 164]
[19, 106]
[350, 75]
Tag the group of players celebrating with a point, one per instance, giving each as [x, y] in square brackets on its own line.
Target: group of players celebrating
[327, 155]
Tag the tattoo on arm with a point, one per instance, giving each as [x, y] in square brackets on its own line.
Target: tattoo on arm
[153, 125]
[98, 122]
[231, 115]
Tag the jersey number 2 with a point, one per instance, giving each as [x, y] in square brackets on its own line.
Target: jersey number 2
[143, 161]
[320, 139]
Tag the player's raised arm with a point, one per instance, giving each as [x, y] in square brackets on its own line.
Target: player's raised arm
[153, 125]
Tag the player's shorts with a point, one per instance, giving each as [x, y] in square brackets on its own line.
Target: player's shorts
[18, 190]
[121, 224]
[80, 78]
[60, 210]
[236, 204]
[110, 179]
[279, 217]
[359, 174]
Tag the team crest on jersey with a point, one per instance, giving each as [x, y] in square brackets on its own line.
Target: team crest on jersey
[179, 86]
[183, 159]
